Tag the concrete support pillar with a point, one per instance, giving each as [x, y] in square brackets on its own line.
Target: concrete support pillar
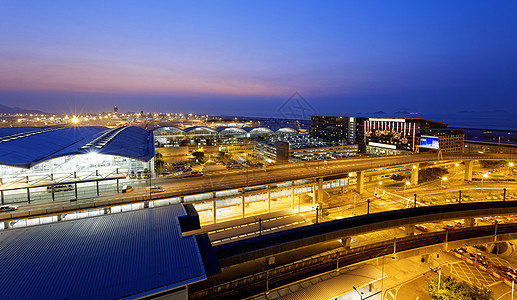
[410, 230]
[346, 242]
[320, 190]
[342, 190]
[313, 194]
[51, 169]
[469, 164]
[146, 204]
[414, 173]
[469, 222]
[425, 258]
[106, 210]
[151, 167]
[243, 205]
[214, 208]
[6, 225]
[268, 199]
[360, 182]
[292, 196]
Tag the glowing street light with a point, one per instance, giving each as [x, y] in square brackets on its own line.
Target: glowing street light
[405, 186]
[443, 179]
[483, 179]
[380, 188]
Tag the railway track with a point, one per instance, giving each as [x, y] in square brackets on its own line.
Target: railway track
[277, 276]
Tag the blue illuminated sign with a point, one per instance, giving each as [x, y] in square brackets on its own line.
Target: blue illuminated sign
[431, 142]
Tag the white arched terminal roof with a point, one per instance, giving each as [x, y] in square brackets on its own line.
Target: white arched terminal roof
[200, 130]
[286, 130]
[25, 147]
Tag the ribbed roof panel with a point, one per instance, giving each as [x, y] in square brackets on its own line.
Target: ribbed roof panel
[28, 146]
[106, 257]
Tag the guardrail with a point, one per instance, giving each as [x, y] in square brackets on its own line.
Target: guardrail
[278, 276]
[258, 247]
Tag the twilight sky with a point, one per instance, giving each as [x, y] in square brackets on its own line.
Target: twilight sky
[249, 57]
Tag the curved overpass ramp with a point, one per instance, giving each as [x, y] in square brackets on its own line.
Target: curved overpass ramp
[272, 244]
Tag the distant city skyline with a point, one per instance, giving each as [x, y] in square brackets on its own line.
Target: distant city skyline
[237, 58]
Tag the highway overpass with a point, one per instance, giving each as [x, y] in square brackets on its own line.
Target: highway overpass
[289, 240]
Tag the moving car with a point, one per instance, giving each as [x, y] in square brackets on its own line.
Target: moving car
[127, 189]
[8, 208]
[60, 187]
[157, 189]
[196, 174]
[422, 228]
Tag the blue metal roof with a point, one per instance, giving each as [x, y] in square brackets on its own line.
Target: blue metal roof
[27, 146]
[124, 255]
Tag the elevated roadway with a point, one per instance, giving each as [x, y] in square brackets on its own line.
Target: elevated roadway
[276, 276]
[235, 179]
[292, 239]
[239, 179]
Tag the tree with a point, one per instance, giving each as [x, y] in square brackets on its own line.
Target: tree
[159, 164]
[492, 164]
[199, 155]
[450, 289]
[431, 174]
[398, 177]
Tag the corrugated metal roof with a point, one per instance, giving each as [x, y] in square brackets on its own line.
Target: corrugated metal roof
[25, 147]
[337, 286]
[112, 256]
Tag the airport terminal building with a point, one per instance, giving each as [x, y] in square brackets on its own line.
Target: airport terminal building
[49, 154]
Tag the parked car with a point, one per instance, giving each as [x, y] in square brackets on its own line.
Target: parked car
[127, 189]
[233, 166]
[157, 189]
[196, 174]
[60, 187]
[504, 268]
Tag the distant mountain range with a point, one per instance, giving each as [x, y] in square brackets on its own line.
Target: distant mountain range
[16, 110]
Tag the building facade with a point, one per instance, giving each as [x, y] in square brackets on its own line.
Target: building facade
[390, 136]
[285, 151]
[334, 129]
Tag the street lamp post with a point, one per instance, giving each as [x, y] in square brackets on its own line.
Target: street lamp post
[405, 186]
[382, 280]
[483, 179]
[380, 187]
[358, 292]
[441, 183]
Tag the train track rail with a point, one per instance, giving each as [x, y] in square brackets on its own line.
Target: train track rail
[277, 276]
